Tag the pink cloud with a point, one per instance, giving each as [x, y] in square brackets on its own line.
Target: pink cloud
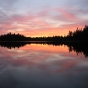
[21, 18]
[65, 15]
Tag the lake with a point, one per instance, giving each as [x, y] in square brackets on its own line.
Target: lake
[42, 66]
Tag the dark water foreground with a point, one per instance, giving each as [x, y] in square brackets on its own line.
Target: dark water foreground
[43, 65]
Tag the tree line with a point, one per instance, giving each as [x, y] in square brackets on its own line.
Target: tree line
[12, 37]
[78, 35]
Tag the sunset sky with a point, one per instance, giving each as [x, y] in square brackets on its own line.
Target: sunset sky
[42, 17]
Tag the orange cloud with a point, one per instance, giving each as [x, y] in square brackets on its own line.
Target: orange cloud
[62, 30]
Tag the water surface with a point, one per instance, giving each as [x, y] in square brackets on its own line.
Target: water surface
[42, 66]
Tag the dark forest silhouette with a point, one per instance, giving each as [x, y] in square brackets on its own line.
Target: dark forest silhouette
[80, 35]
[12, 37]
[76, 41]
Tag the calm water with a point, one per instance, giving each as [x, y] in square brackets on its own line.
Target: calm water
[42, 66]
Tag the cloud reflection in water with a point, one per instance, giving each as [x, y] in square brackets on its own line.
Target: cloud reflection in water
[42, 66]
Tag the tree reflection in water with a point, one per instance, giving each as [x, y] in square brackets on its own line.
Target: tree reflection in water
[79, 48]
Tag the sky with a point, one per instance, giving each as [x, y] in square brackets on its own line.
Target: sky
[42, 17]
